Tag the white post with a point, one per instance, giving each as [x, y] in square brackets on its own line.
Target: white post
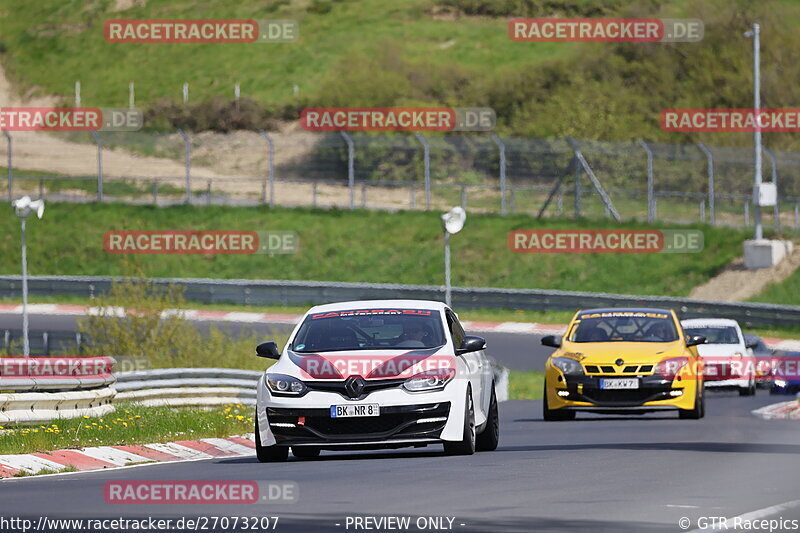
[759, 232]
[236, 93]
[26, 347]
[447, 291]
[131, 96]
[185, 93]
[77, 93]
[453, 222]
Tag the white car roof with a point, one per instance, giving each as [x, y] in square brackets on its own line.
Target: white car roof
[709, 322]
[377, 304]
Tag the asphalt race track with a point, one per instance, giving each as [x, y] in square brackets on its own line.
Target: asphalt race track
[597, 473]
[593, 474]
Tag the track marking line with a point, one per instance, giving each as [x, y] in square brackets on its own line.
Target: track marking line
[752, 515]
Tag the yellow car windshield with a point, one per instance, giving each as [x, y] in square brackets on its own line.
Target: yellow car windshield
[628, 328]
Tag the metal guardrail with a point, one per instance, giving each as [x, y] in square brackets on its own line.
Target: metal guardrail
[302, 293]
[14, 375]
[184, 387]
[40, 407]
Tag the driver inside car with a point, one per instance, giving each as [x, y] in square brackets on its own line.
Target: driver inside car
[660, 332]
[413, 336]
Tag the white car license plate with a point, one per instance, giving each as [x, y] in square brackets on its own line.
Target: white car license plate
[629, 383]
[353, 411]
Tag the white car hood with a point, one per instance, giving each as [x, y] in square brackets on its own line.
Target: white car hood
[719, 351]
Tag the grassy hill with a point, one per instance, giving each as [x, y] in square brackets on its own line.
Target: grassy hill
[432, 52]
[367, 246]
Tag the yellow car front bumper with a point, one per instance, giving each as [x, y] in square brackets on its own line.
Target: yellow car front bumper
[586, 393]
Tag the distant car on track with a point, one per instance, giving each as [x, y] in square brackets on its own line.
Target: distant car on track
[727, 363]
[764, 357]
[786, 373]
[623, 361]
[376, 374]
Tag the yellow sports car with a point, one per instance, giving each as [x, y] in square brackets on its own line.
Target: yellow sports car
[623, 361]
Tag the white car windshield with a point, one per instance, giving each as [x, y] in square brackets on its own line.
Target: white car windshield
[369, 329]
[715, 334]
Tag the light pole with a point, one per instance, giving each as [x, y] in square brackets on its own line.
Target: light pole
[24, 207]
[453, 222]
[755, 34]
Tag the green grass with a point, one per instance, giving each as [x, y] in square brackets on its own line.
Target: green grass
[129, 424]
[45, 471]
[357, 246]
[787, 292]
[525, 385]
[52, 43]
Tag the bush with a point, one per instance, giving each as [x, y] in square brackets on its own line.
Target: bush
[216, 114]
[536, 8]
[168, 341]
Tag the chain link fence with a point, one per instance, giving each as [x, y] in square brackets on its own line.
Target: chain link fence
[481, 172]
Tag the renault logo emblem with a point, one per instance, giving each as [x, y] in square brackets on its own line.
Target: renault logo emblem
[354, 386]
[619, 362]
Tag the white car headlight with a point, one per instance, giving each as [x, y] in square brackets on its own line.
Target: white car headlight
[570, 367]
[429, 381]
[285, 385]
[780, 382]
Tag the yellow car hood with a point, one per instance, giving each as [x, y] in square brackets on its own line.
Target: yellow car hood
[631, 352]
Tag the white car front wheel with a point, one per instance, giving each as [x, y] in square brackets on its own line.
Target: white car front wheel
[466, 446]
[269, 454]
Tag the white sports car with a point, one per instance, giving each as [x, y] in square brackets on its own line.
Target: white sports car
[728, 361]
[376, 374]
